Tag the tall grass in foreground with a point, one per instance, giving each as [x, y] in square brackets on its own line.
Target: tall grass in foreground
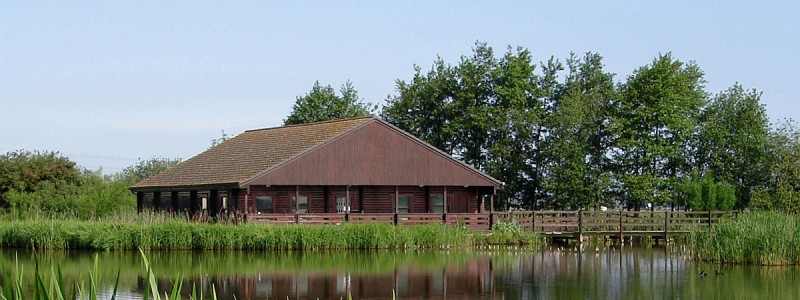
[760, 238]
[176, 234]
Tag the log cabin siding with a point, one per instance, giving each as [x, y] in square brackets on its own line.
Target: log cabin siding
[377, 199]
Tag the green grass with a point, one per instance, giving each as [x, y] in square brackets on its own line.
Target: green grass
[162, 233]
[759, 238]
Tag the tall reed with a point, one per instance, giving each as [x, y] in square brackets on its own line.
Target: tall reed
[761, 238]
[176, 234]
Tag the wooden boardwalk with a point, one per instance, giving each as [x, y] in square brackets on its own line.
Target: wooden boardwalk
[573, 224]
[617, 224]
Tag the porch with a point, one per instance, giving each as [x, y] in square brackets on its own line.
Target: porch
[473, 221]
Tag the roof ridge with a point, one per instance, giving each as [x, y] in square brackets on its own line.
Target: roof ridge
[312, 123]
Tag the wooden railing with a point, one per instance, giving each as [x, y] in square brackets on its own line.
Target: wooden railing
[574, 222]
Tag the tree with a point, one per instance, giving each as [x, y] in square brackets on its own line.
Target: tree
[146, 168]
[322, 104]
[577, 143]
[483, 111]
[655, 120]
[25, 171]
[785, 171]
[423, 106]
[733, 141]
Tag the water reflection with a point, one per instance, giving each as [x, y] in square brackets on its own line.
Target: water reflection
[612, 274]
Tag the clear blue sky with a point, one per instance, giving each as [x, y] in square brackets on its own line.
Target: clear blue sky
[110, 82]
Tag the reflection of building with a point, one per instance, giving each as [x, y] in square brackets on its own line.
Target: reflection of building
[322, 172]
[464, 281]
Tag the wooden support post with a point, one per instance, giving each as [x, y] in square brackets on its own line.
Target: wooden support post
[709, 218]
[245, 214]
[139, 201]
[347, 202]
[396, 203]
[491, 210]
[533, 220]
[580, 225]
[621, 237]
[233, 200]
[296, 202]
[156, 200]
[173, 202]
[213, 203]
[491, 204]
[666, 227]
[193, 202]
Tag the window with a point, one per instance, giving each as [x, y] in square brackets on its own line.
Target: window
[402, 204]
[204, 203]
[438, 204]
[341, 205]
[264, 205]
[225, 203]
[303, 205]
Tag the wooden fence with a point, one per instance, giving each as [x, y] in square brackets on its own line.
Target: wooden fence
[554, 223]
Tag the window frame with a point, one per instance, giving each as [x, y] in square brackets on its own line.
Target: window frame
[295, 207]
[407, 207]
[271, 205]
[434, 206]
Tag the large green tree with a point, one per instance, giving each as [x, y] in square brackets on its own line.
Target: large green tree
[733, 141]
[323, 104]
[655, 120]
[25, 171]
[483, 110]
[578, 139]
[783, 192]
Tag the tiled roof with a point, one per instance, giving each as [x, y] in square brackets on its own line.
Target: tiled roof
[249, 154]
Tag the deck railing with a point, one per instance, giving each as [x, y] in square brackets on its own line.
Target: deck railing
[577, 222]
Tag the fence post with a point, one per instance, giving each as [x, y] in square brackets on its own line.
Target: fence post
[580, 225]
[394, 219]
[533, 220]
[491, 220]
[621, 237]
[709, 218]
[666, 227]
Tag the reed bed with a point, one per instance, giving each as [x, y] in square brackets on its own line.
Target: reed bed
[176, 234]
[759, 238]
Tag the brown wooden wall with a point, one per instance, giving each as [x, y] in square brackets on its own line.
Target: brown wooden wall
[374, 155]
[376, 199]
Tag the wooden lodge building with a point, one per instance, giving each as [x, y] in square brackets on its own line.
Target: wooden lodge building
[361, 169]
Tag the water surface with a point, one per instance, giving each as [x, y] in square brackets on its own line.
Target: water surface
[552, 273]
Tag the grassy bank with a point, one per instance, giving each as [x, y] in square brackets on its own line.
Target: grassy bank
[173, 234]
[760, 238]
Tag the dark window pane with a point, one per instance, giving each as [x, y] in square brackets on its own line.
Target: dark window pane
[402, 204]
[264, 204]
[438, 204]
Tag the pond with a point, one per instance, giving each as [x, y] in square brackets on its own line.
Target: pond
[553, 273]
